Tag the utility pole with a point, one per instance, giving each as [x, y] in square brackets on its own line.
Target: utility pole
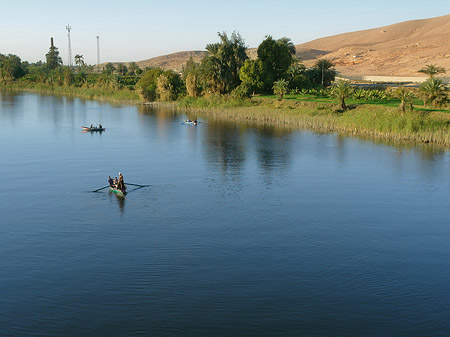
[70, 64]
[98, 50]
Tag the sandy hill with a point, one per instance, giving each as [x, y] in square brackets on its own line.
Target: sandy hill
[173, 61]
[396, 50]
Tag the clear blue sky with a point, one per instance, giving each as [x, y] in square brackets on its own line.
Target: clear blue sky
[136, 30]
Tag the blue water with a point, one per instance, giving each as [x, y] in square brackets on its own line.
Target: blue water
[243, 231]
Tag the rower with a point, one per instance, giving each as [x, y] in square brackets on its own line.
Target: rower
[121, 184]
[110, 181]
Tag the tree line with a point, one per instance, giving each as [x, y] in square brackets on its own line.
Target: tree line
[225, 70]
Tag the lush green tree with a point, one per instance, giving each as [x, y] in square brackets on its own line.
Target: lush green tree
[192, 86]
[276, 58]
[146, 86]
[406, 99]
[168, 87]
[342, 90]
[433, 92]
[53, 59]
[11, 67]
[280, 88]
[287, 41]
[164, 88]
[221, 66]
[431, 70]
[296, 76]
[192, 74]
[190, 67]
[251, 75]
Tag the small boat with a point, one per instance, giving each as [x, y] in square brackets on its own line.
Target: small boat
[119, 193]
[88, 128]
[190, 122]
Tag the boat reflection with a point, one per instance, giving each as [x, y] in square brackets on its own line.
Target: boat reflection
[120, 200]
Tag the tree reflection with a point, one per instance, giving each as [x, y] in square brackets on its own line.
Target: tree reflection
[273, 149]
[226, 145]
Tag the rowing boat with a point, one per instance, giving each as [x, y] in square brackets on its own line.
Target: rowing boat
[119, 193]
[87, 128]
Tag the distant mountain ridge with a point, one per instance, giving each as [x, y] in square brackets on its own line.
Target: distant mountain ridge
[400, 49]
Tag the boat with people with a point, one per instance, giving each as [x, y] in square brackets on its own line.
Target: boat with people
[117, 186]
[188, 121]
[93, 128]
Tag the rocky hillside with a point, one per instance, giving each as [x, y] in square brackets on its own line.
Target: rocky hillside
[396, 50]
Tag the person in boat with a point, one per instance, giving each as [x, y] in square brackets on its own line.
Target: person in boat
[188, 120]
[195, 122]
[91, 126]
[115, 182]
[121, 184]
[100, 126]
[110, 181]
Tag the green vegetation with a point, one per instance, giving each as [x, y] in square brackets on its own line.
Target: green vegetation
[227, 83]
[342, 90]
[280, 88]
[372, 120]
[432, 70]
[406, 99]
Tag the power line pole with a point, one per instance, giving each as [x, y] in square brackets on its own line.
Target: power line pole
[98, 50]
[70, 47]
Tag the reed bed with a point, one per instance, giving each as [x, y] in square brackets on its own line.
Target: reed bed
[374, 121]
[102, 94]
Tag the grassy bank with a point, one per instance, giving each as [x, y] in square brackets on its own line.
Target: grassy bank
[377, 121]
[382, 121]
[102, 94]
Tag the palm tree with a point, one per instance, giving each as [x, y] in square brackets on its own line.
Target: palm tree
[433, 91]
[280, 88]
[79, 60]
[342, 90]
[325, 68]
[406, 99]
[287, 41]
[431, 70]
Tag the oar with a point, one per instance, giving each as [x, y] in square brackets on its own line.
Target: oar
[136, 185]
[101, 188]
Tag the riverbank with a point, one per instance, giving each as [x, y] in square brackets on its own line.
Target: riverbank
[369, 120]
[374, 121]
[125, 95]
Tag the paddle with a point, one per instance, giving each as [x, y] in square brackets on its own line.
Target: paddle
[100, 189]
[136, 185]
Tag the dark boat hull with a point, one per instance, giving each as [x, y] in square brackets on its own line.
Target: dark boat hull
[85, 128]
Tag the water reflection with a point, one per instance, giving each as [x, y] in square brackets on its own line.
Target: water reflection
[273, 148]
[120, 200]
[225, 146]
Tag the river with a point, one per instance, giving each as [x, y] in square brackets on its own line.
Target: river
[243, 229]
